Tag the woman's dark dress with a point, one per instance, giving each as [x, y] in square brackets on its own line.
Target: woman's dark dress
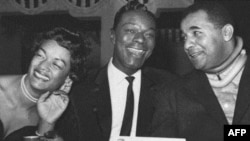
[66, 127]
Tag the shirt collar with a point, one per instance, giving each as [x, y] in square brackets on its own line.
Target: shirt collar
[117, 75]
[230, 73]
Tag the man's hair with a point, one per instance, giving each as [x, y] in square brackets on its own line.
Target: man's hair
[131, 6]
[77, 45]
[217, 14]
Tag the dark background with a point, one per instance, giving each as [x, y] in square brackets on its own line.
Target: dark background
[27, 27]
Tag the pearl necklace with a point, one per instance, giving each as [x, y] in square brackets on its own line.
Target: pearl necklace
[26, 92]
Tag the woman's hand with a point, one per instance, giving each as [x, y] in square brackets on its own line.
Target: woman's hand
[52, 105]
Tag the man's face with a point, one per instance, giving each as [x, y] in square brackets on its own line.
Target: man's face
[49, 67]
[204, 43]
[134, 41]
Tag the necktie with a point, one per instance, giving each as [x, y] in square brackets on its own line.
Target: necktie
[128, 115]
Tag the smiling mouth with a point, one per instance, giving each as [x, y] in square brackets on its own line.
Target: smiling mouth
[41, 76]
[136, 52]
[194, 54]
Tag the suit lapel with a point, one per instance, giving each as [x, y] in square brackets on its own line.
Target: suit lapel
[243, 98]
[203, 93]
[103, 102]
[145, 106]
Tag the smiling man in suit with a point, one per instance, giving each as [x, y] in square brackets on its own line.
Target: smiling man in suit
[217, 92]
[102, 101]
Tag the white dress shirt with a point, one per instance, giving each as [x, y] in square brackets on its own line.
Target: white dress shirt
[118, 92]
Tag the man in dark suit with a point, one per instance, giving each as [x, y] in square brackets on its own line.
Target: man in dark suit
[217, 92]
[101, 100]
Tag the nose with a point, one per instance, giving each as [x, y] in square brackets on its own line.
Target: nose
[139, 37]
[44, 66]
[189, 42]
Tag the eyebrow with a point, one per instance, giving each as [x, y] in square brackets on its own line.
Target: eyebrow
[151, 28]
[57, 59]
[194, 27]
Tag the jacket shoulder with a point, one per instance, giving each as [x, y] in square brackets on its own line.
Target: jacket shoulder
[159, 75]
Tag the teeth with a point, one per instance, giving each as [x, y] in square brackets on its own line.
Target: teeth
[136, 51]
[41, 76]
[194, 54]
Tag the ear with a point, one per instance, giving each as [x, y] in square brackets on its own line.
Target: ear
[112, 36]
[227, 32]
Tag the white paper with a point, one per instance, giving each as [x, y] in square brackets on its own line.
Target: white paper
[146, 139]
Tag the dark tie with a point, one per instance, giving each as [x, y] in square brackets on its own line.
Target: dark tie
[128, 115]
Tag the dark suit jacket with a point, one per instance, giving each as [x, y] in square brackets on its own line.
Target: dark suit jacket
[92, 100]
[195, 113]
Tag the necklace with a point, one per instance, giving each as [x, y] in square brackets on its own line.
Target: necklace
[26, 92]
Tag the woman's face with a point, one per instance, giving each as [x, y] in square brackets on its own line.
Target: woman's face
[49, 67]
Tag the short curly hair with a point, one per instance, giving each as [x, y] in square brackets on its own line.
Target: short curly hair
[78, 46]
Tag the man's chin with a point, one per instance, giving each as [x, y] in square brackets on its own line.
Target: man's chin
[197, 66]
[135, 66]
